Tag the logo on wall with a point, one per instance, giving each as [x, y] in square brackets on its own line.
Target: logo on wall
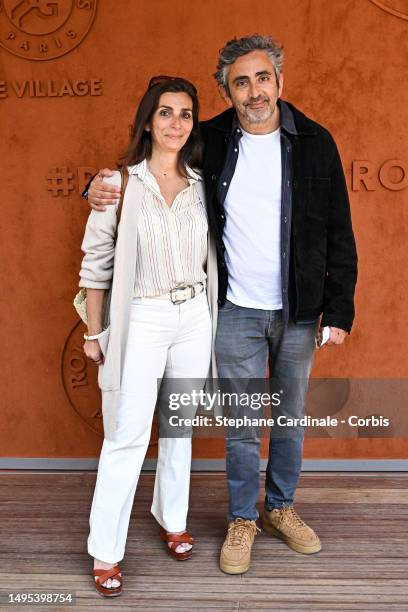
[392, 174]
[44, 29]
[398, 8]
[79, 379]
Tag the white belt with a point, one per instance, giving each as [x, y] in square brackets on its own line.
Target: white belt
[179, 295]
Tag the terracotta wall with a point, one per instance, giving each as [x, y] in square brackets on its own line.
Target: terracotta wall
[70, 80]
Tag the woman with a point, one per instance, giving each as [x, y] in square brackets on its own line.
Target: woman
[162, 319]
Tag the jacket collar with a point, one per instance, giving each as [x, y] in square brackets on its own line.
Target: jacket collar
[293, 121]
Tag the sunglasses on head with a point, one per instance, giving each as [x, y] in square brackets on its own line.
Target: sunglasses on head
[158, 80]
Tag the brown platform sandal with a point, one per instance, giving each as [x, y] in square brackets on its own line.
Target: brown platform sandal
[182, 538]
[103, 575]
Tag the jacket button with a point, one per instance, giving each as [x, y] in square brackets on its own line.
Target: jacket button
[222, 217]
[214, 177]
[222, 264]
[295, 184]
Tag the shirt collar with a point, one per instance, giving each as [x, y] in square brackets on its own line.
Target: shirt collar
[141, 170]
[287, 121]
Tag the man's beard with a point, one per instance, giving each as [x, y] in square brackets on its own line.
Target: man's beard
[258, 116]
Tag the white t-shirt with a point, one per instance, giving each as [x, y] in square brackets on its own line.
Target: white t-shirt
[253, 219]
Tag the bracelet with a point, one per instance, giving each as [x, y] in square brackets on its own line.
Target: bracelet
[94, 337]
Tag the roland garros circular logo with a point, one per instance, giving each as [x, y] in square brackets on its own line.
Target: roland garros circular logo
[398, 8]
[44, 29]
[79, 378]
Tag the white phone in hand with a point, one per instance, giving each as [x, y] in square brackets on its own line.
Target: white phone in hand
[322, 336]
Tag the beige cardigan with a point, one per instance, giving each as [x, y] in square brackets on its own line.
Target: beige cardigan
[104, 261]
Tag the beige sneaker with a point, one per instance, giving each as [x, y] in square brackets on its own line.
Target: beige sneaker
[286, 524]
[235, 555]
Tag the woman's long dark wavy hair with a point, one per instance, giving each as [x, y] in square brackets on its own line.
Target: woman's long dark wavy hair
[140, 146]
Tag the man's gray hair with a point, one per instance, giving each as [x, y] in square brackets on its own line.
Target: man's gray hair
[237, 47]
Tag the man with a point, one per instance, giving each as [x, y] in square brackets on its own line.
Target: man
[278, 206]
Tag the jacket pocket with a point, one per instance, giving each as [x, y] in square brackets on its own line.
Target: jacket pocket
[317, 197]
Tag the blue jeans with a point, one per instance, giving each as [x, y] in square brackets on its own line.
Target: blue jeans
[246, 338]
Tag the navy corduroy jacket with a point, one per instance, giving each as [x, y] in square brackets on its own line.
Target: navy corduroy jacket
[323, 256]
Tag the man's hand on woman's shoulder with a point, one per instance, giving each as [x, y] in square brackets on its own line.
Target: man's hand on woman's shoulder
[100, 194]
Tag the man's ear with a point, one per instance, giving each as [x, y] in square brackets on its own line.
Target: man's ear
[280, 85]
[224, 95]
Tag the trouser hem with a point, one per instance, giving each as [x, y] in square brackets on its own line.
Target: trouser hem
[165, 525]
[230, 518]
[101, 556]
[277, 506]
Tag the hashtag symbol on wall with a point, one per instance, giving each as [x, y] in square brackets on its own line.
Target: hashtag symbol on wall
[60, 181]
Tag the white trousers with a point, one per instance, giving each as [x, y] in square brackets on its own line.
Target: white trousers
[164, 340]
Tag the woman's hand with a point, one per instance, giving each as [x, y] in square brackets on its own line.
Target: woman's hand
[93, 351]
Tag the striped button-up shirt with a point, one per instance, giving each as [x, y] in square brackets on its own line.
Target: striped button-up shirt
[172, 240]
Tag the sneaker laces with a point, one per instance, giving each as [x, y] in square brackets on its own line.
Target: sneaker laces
[239, 530]
[289, 513]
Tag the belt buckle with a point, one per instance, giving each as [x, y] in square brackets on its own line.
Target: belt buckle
[172, 292]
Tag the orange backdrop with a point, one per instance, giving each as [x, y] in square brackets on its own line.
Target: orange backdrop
[70, 80]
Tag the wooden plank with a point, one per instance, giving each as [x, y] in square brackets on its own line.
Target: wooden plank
[361, 519]
[208, 481]
[355, 496]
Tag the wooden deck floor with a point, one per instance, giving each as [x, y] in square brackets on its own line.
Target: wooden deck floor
[361, 519]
